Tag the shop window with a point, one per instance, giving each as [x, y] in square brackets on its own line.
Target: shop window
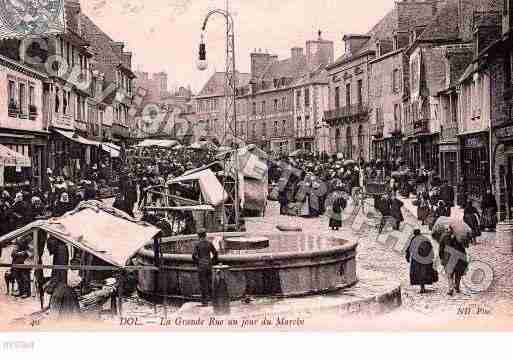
[22, 98]
[57, 101]
[348, 95]
[360, 92]
[395, 81]
[11, 92]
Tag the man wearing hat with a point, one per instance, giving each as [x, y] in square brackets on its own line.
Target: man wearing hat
[204, 256]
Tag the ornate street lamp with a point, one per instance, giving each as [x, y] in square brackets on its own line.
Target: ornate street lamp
[230, 92]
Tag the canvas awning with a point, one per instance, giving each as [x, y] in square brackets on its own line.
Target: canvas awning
[157, 143]
[211, 189]
[110, 235]
[72, 136]
[111, 149]
[11, 158]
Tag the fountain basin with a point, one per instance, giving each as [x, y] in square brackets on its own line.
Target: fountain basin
[294, 264]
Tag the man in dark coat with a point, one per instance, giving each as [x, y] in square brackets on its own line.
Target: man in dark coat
[396, 212]
[447, 195]
[204, 256]
[453, 257]
[462, 193]
[60, 253]
[420, 256]
[131, 196]
[22, 275]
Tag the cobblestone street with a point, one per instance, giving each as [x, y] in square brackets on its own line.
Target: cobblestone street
[373, 255]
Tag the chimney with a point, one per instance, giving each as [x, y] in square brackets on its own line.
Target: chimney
[259, 62]
[319, 52]
[127, 60]
[73, 10]
[296, 52]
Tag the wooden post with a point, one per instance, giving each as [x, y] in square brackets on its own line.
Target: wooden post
[35, 243]
[120, 292]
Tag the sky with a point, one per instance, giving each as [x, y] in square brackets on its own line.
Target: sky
[164, 34]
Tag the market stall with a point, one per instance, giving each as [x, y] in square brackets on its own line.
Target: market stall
[157, 143]
[98, 252]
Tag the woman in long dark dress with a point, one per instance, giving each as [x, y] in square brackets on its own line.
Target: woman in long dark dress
[455, 267]
[421, 257]
[489, 206]
[423, 207]
[339, 204]
[470, 217]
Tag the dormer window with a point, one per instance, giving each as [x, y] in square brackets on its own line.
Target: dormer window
[378, 49]
[396, 42]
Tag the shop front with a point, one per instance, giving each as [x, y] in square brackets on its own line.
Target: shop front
[475, 164]
[503, 170]
[32, 147]
[421, 151]
[69, 154]
[449, 163]
[15, 168]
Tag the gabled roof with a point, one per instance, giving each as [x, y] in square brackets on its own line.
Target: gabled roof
[103, 48]
[317, 76]
[288, 68]
[382, 30]
[215, 85]
[445, 26]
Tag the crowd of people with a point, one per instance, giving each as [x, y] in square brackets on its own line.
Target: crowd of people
[307, 186]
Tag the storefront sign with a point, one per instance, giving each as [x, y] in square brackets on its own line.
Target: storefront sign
[473, 142]
[448, 148]
[504, 133]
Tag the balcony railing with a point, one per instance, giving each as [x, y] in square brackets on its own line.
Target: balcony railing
[420, 126]
[346, 112]
[448, 133]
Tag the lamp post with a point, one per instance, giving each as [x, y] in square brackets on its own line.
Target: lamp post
[230, 85]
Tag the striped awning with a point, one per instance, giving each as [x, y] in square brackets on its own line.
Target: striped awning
[12, 158]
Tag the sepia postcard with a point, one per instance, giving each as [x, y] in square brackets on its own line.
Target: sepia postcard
[272, 165]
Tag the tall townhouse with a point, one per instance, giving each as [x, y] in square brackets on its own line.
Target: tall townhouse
[389, 76]
[269, 101]
[498, 60]
[65, 59]
[350, 86]
[274, 98]
[208, 119]
[114, 66]
[310, 103]
[311, 93]
[434, 55]
[22, 128]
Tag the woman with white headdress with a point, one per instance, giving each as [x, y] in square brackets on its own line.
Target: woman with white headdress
[19, 211]
[63, 205]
